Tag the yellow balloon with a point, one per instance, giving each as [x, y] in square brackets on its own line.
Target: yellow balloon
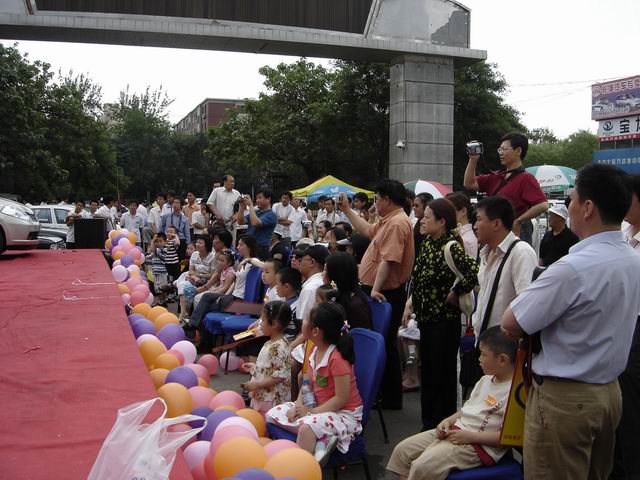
[264, 441]
[158, 376]
[295, 463]
[177, 398]
[256, 419]
[135, 274]
[237, 454]
[113, 234]
[155, 312]
[231, 408]
[107, 244]
[122, 288]
[167, 361]
[165, 319]
[150, 350]
[118, 255]
[141, 308]
[202, 382]
[132, 238]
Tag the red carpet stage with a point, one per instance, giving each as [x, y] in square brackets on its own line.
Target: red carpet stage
[68, 361]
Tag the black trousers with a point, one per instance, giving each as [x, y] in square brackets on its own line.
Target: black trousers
[626, 460]
[391, 386]
[439, 342]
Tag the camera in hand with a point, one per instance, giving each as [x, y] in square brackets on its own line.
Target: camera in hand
[475, 147]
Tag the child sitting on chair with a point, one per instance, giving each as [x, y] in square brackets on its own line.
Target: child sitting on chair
[330, 411]
[270, 383]
[471, 437]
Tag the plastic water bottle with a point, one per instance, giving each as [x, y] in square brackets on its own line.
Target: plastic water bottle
[308, 397]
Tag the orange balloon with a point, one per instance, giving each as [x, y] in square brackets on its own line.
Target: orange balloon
[293, 462]
[107, 244]
[135, 274]
[155, 312]
[122, 288]
[113, 234]
[142, 309]
[118, 255]
[202, 382]
[256, 419]
[264, 441]
[236, 454]
[165, 319]
[231, 408]
[132, 238]
[150, 349]
[158, 376]
[177, 398]
[167, 361]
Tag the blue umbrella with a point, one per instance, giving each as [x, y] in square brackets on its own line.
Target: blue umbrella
[330, 190]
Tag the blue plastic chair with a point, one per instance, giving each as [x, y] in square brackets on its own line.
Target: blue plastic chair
[381, 318]
[506, 469]
[371, 357]
[213, 320]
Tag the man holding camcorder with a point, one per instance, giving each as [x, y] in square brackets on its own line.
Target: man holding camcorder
[513, 183]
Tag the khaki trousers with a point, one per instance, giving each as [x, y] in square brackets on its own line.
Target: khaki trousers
[424, 457]
[570, 430]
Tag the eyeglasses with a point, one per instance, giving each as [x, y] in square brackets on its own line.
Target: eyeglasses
[504, 149]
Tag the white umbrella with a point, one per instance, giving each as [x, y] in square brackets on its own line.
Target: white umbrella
[553, 178]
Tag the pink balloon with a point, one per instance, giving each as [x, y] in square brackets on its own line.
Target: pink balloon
[187, 349]
[119, 273]
[194, 454]
[234, 361]
[135, 253]
[125, 244]
[200, 370]
[138, 296]
[228, 433]
[278, 445]
[123, 231]
[126, 298]
[178, 355]
[227, 397]
[143, 287]
[198, 473]
[237, 422]
[201, 396]
[116, 249]
[133, 282]
[145, 336]
[183, 427]
[149, 300]
[210, 362]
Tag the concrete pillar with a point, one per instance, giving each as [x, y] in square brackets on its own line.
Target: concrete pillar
[421, 119]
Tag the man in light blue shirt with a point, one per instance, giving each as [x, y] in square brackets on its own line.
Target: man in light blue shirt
[585, 308]
[261, 220]
[179, 220]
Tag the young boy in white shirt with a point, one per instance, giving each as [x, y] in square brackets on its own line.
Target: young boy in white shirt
[470, 437]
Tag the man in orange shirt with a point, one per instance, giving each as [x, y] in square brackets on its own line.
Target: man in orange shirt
[385, 270]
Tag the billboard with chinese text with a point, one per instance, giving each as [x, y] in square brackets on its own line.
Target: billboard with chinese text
[627, 159]
[622, 128]
[617, 98]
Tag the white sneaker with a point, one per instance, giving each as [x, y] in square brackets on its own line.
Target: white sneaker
[323, 451]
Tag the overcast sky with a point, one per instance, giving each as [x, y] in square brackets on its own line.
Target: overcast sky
[564, 44]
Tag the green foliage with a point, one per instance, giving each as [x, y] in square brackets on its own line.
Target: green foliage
[542, 135]
[574, 151]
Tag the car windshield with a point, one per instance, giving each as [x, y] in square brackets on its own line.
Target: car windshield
[43, 214]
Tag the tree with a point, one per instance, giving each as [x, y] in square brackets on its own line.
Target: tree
[575, 151]
[480, 114]
[541, 135]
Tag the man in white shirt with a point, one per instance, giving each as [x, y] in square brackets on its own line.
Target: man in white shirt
[329, 214]
[493, 227]
[79, 212]
[584, 308]
[168, 206]
[285, 213]
[312, 261]
[222, 200]
[105, 211]
[153, 219]
[132, 220]
[143, 212]
[300, 222]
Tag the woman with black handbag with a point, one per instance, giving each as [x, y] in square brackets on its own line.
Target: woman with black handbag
[435, 302]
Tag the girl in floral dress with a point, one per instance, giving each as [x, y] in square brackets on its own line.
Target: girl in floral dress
[337, 417]
[270, 382]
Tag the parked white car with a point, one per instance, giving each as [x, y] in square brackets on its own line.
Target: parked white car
[19, 226]
[53, 217]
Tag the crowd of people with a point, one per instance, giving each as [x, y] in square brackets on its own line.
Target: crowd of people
[445, 266]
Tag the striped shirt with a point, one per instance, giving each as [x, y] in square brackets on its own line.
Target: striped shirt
[171, 253]
[157, 258]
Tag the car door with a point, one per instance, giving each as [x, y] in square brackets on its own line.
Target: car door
[44, 216]
[61, 218]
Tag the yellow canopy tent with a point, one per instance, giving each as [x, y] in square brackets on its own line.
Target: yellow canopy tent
[328, 186]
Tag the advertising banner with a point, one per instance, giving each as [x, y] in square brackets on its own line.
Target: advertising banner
[627, 159]
[619, 128]
[617, 98]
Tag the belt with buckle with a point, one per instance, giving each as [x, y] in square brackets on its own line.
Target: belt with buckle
[539, 379]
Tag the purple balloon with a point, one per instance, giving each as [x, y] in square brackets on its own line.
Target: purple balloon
[142, 326]
[201, 412]
[184, 376]
[116, 240]
[171, 334]
[254, 474]
[213, 420]
[135, 316]
[126, 261]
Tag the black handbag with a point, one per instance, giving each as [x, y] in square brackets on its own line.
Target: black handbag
[470, 370]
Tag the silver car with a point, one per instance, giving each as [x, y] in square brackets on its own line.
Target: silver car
[19, 226]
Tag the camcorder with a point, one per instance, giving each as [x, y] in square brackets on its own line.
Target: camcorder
[475, 147]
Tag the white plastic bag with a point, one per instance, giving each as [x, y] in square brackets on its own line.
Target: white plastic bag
[136, 451]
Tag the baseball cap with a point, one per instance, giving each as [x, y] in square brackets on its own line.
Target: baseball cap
[560, 210]
[344, 241]
[317, 252]
[304, 243]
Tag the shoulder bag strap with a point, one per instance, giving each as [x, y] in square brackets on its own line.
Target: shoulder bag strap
[449, 259]
[514, 173]
[494, 288]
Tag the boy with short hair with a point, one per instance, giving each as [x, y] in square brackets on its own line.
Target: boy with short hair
[157, 254]
[288, 286]
[172, 259]
[470, 437]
